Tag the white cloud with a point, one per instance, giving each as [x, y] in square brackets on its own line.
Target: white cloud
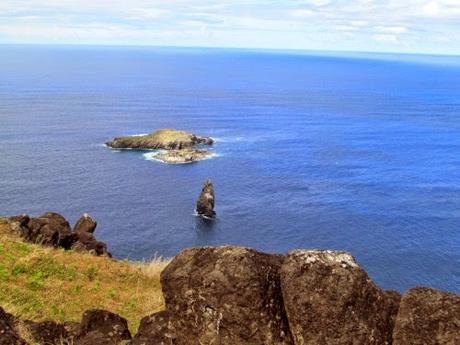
[386, 38]
[421, 25]
[391, 29]
[302, 13]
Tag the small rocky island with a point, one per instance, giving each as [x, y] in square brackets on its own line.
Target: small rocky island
[205, 202]
[180, 146]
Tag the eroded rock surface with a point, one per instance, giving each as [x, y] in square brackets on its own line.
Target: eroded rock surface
[50, 332]
[428, 317]
[52, 229]
[330, 300]
[225, 296]
[84, 229]
[206, 200]
[85, 224]
[156, 329]
[183, 156]
[109, 325]
[8, 332]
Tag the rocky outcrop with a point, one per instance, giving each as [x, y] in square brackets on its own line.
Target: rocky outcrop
[329, 299]
[98, 327]
[50, 332]
[183, 147]
[166, 139]
[156, 329]
[238, 296]
[84, 229]
[52, 229]
[225, 295]
[8, 332]
[234, 295]
[428, 317]
[205, 203]
[102, 325]
[86, 224]
[182, 156]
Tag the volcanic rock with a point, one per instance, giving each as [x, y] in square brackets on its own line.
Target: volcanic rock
[183, 156]
[205, 203]
[84, 229]
[330, 300]
[428, 317]
[93, 338]
[52, 229]
[8, 333]
[47, 332]
[109, 325]
[226, 296]
[167, 139]
[85, 224]
[156, 329]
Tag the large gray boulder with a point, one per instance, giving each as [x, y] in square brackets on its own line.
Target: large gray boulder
[330, 300]
[428, 317]
[225, 296]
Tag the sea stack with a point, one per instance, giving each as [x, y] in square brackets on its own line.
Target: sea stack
[205, 203]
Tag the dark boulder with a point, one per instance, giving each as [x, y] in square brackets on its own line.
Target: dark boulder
[52, 229]
[205, 203]
[21, 219]
[156, 329]
[225, 295]
[86, 242]
[94, 338]
[47, 332]
[8, 333]
[18, 224]
[428, 317]
[85, 224]
[108, 324]
[330, 300]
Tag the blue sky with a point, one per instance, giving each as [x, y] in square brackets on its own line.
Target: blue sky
[413, 26]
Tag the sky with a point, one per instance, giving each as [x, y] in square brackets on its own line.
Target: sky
[408, 26]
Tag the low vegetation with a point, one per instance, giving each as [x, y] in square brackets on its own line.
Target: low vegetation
[38, 283]
[162, 136]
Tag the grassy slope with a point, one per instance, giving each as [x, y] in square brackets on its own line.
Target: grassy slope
[40, 283]
[162, 136]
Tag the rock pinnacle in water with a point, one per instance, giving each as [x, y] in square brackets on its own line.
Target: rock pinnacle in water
[205, 203]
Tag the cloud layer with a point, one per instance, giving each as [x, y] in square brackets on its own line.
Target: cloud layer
[429, 26]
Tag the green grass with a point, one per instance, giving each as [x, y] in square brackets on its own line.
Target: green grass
[38, 283]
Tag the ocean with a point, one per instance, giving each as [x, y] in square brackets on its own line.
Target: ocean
[355, 152]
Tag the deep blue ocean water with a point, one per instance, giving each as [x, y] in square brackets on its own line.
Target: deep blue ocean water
[354, 152]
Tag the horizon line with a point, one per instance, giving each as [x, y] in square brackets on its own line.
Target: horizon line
[291, 50]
